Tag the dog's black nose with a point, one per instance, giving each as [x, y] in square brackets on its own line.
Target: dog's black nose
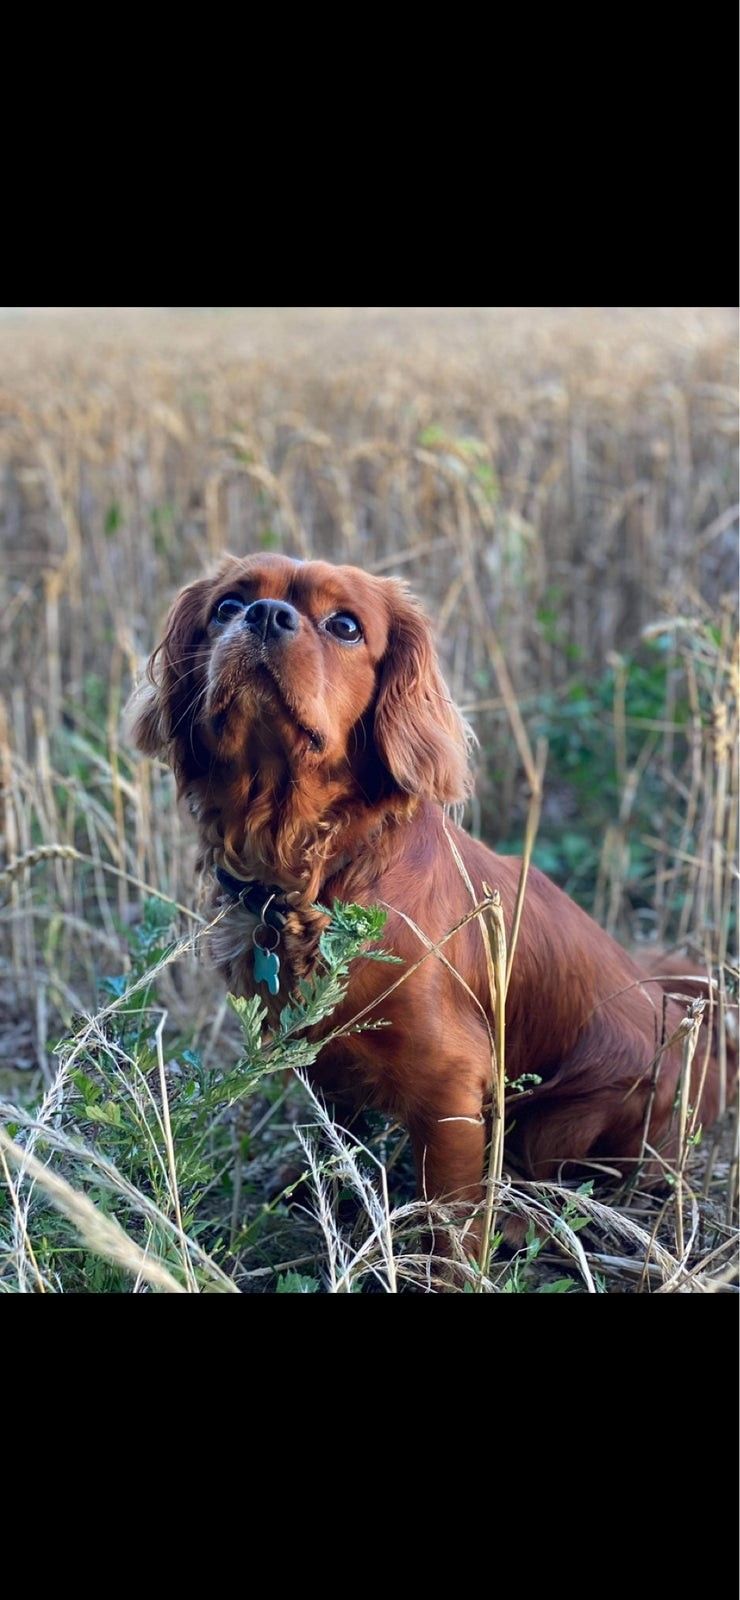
[272, 619]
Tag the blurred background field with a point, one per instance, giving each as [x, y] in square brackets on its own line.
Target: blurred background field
[560, 486]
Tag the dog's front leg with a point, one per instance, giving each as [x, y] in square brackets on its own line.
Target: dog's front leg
[449, 1150]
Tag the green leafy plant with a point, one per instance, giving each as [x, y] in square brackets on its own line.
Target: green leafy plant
[146, 1126]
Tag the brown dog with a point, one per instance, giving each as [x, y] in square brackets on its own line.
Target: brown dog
[302, 709]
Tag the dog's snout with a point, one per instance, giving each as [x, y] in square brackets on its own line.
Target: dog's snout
[272, 619]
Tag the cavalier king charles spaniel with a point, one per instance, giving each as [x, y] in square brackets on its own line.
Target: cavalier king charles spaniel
[303, 711]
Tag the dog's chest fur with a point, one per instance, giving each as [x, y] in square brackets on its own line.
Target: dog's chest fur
[232, 947]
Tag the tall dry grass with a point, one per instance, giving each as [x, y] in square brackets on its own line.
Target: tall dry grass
[556, 484]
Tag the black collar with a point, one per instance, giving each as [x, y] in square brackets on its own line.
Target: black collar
[263, 900]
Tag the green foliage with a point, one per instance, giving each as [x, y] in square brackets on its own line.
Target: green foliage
[113, 1105]
[522, 1278]
[95, 691]
[579, 727]
[351, 929]
[296, 1283]
[113, 519]
[521, 1083]
[268, 539]
[570, 1216]
[162, 519]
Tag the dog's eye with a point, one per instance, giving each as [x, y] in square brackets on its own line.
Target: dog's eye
[344, 627]
[228, 609]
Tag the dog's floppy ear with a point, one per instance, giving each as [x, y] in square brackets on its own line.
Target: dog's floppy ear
[159, 706]
[419, 733]
[143, 718]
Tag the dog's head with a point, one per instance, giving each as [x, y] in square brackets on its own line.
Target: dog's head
[312, 667]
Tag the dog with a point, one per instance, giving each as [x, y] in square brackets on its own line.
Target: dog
[302, 708]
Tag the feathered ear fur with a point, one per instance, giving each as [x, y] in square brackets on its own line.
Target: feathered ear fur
[143, 720]
[158, 708]
[419, 733]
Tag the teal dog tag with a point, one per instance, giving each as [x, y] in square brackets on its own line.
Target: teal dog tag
[266, 968]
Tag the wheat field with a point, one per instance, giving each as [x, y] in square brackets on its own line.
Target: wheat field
[560, 487]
